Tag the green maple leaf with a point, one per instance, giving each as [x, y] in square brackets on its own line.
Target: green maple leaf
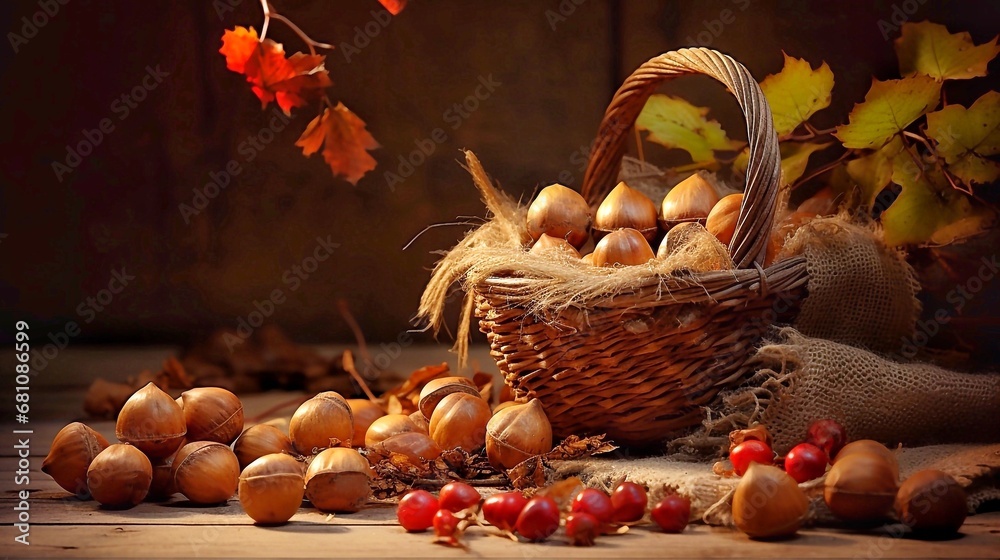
[927, 48]
[966, 137]
[888, 108]
[797, 92]
[674, 123]
[872, 172]
[928, 211]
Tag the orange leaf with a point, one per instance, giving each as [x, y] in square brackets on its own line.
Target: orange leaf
[345, 142]
[394, 6]
[291, 82]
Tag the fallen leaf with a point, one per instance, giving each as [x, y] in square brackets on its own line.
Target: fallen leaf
[290, 81]
[928, 211]
[345, 142]
[674, 123]
[394, 6]
[927, 48]
[871, 173]
[966, 137]
[575, 447]
[888, 108]
[796, 93]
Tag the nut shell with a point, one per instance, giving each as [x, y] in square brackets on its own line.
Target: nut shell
[337, 480]
[721, 221]
[388, 426]
[206, 472]
[322, 421]
[625, 207]
[423, 425]
[364, 412]
[690, 200]
[271, 488]
[860, 487]
[870, 446]
[260, 440]
[459, 421]
[72, 451]
[560, 212]
[437, 389]
[162, 486]
[212, 414]
[768, 503]
[517, 433]
[152, 422]
[623, 247]
[416, 446]
[119, 477]
[932, 503]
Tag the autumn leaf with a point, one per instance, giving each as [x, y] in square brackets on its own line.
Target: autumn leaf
[394, 6]
[888, 108]
[872, 172]
[928, 211]
[674, 123]
[966, 137]
[797, 92]
[345, 142]
[290, 81]
[927, 48]
[794, 159]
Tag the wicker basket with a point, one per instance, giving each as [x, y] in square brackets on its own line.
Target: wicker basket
[639, 365]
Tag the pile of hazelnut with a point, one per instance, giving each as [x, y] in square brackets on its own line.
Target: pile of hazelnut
[193, 446]
[627, 222]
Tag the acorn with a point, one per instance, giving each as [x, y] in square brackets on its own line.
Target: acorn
[459, 420]
[206, 472]
[932, 503]
[388, 426]
[337, 480]
[152, 422]
[560, 212]
[365, 412]
[260, 440]
[119, 476]
[271, 488]
[546, 244]
[860, 487]
[212, 414]
[625, 207]
[437, 389]
[721, 221]
[322, 421]
[72, 451]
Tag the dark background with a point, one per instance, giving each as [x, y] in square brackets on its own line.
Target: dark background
[120, 206]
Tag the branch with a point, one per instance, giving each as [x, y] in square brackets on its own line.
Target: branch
[270, 13]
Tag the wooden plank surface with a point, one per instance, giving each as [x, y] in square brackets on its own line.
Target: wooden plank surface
[62, 526]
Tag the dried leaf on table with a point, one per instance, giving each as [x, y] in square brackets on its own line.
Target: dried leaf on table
[529, 473]
[575, 447]
[758, 432]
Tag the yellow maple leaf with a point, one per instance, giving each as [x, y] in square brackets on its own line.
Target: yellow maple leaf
[927, 48]
[794, 159]
[889, 107]
[966, 137]
[928, 211]
[674, 123]
[797, 92]
[871, 173]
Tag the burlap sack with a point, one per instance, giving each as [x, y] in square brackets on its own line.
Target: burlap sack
[861, 292]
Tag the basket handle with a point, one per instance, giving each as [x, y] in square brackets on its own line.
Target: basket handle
[757, 211]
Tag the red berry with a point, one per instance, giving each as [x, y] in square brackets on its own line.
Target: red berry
[629, 501]
[456, 496]
[582, 528]
[672, 513]
[827, 435]
[416, 510]
[805, 462]
[750, 451]
[595, 503]
[446, 526]
[501, 510]
[539, 519]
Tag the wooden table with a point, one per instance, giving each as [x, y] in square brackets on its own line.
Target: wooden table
[62, 526]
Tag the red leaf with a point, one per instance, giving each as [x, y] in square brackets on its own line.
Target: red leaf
[345, 142]
[394, 6]
[291, 82]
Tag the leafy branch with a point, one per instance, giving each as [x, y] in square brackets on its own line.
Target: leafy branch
[904, 133]
[299, 80]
